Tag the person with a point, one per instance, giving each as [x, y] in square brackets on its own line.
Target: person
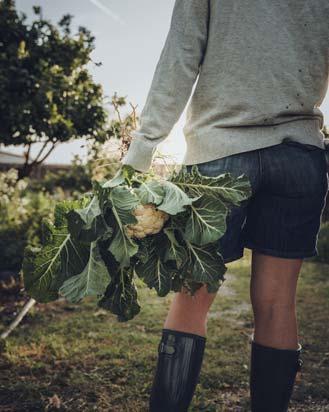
[260, 70]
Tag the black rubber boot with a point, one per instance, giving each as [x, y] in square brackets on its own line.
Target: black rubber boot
[180, 356]
[272, 377]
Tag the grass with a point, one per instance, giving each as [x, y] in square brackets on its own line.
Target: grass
[67, 357]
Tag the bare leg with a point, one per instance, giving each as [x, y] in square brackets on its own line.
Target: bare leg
[181, 351]
[189, 313]
[273, 297]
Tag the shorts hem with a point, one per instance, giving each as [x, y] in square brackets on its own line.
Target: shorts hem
[276, 253]
[233, 257]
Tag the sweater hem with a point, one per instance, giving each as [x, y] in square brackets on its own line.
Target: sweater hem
[232, 140]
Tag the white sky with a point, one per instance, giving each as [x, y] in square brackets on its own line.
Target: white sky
[129, 38]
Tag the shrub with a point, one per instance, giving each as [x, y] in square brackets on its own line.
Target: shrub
[20, 214]
[74, 181]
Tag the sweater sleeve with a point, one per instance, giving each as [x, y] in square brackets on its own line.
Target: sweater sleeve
[172, 82]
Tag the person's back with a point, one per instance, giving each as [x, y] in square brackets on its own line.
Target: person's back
[266, 64]
[263, 73]
[263, 64]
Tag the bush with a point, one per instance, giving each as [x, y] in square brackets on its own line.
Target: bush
[74, 181]
[102, 164]
[20, 214]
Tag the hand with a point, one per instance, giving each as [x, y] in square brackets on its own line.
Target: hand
[128, 169]
[124, 174]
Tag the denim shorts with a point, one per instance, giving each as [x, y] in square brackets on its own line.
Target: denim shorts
[282, 217]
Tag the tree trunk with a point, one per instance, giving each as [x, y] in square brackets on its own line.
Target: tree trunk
[27, 168]
[25, 171]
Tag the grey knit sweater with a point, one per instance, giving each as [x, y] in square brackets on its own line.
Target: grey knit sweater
[261, 73]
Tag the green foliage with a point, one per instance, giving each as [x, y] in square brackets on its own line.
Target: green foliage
[122, 201]
[47, 94]
[12, 202]
[58, 258]
[13, 240]
[88, 251]
[92, 281]
[121, 297]
[75, 180]
[207, 220]
[88, 224]
[20, 215]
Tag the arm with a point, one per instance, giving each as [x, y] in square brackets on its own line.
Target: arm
[173, 80]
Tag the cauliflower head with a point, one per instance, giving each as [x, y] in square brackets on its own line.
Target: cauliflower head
[150, 221]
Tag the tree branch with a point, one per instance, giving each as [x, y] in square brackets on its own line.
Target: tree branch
[133, 114]
[46, 155]
[35, 161]
[27, 154]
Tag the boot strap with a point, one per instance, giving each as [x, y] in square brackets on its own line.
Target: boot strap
[165, 348]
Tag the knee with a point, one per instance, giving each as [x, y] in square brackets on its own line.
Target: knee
[273, 309]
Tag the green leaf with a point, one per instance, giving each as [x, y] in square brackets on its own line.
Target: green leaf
[206, 265]
[145, 246]
[64, 207]
[45, 269]
[88, 224]
[175, 200]
[92, 281]
[207, 222]
[123, 248]
[155, 273]
[120, 297]
[123, 176]
[123, 201]
[150, 192]
[232, 190]
[118, 179]
[103, 196]
[174, 251]
[177, 283]
[90, 212]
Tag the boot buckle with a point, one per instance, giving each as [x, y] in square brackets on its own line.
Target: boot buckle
[165, 348]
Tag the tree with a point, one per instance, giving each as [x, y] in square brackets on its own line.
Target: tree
[47, 95]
